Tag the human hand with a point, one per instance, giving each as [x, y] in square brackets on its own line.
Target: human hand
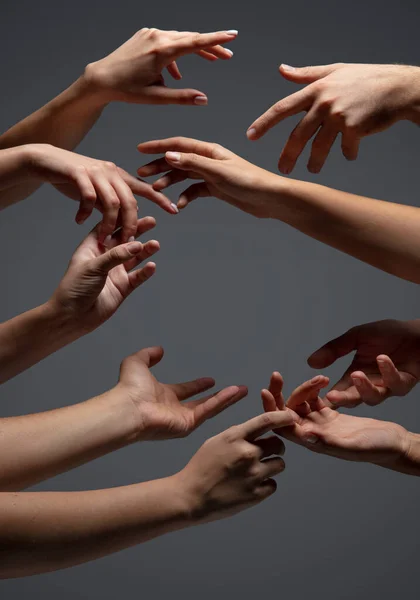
[323, 430]
[98, 281]
[232, 471]
[133, 72]
[224, 175]
[386, 363]
[96, 184]
[355, 100]
[160, 409]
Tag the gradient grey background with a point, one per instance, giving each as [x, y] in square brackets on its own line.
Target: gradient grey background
[233, 298]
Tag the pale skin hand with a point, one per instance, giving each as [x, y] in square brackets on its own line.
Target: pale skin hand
[226, 175]
[386, 362]
[132, 73]
[46, 531]
[94, 183]
[138, 408]
[354, 100]
[96, 283]
[327, 431]
[383, 234]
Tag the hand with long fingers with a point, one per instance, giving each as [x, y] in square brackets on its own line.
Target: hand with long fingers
[224, 175]
[98, 280]
[327, 431]
[169, 410]
[95, 184]
[133, 72]
[354, 100]
[386, 362]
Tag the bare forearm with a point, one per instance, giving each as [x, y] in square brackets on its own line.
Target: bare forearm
[39, 446]
[41, 532]
[383, 234]
[30, 337]
[63, 122]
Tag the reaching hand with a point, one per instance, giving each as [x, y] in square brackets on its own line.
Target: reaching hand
[232, 471]
[133, 72]
[161, 413]
[327, 431]
[96, 184]
[386, 363]
[355, 100]
[97, 282]
[225, 175]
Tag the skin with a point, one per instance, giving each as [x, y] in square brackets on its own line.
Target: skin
[233, 471]
[386, 362]
[326, 431]
[354, 100]
[96, 283]
[139, 408]
[132, 73]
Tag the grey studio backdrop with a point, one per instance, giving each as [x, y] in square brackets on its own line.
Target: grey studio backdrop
[233, 297]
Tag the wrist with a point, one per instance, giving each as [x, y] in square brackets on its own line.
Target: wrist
[59, 323]
[94, 80]
[409, 85]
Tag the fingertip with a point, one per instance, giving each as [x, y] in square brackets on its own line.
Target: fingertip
[252, 134]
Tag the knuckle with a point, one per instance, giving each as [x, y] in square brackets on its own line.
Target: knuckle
[110, 165]
[232, 433]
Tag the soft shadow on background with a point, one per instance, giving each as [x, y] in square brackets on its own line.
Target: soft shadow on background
[233, 297]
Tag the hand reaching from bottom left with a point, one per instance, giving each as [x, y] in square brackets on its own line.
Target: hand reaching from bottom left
[327, 431]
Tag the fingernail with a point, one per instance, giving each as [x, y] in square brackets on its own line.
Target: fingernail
[232, 31]
[316, 379]
[251, 133]
[135, 247]
[131, 239]
[357, 381]
[107, 240]
[229, 51]
[201, 100]
[311, 439]
[287, 67]
[173, 156]
[174, 207]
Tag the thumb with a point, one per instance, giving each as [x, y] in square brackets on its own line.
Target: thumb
[333, 350]
[191, 162]
[306, 74]
[149, 356]
[116, 256]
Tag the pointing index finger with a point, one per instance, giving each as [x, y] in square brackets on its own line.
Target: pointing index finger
[264, 423]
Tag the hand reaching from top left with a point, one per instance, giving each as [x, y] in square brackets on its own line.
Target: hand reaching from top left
[133, 72]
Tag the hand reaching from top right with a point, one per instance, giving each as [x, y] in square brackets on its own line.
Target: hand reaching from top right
[355, 100]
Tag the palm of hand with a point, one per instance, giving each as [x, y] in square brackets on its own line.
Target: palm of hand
[162, 414]
[353, 438]
[95, 295]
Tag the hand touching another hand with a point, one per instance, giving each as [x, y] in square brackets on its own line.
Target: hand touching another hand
[224, 175]
[96, 184]
[98, 281]
[355, 100]
[133, 72]
[160, 410]
[327, 431]
[386, 363]
[233, 470]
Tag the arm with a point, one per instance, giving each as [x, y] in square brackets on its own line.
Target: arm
[42, 532]
[132, 73]
[326, 431]
[39, 446]
[383, 234]
[353, 100]
[84, 300]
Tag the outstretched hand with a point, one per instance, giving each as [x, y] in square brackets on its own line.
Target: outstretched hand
[133, 72]
[386, 363]
[166, 410]
[98, 280]
[327, 431]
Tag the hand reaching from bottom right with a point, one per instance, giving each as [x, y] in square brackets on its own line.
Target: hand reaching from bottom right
[327, 431]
